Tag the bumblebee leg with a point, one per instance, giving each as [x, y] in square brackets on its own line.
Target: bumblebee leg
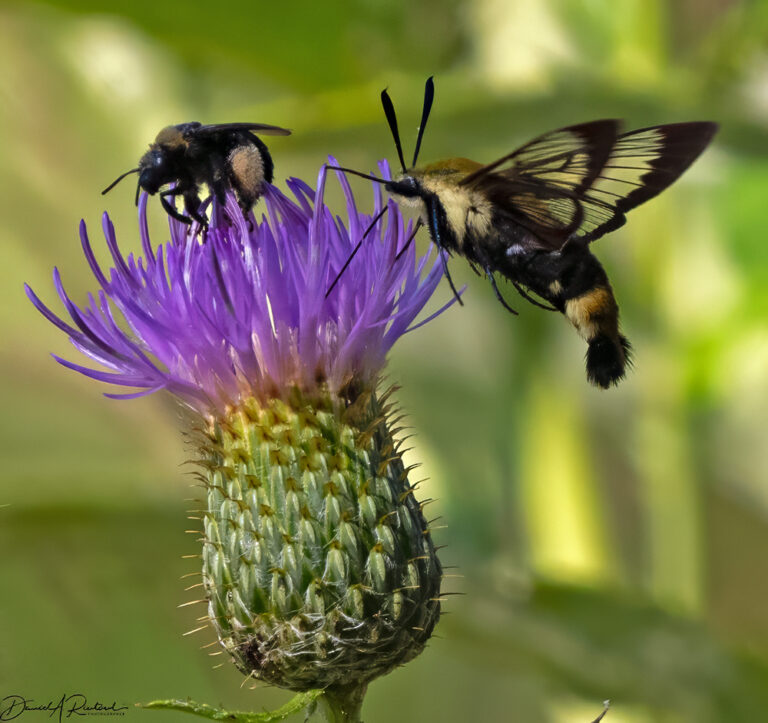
[489, 274]
[246, 197]
[192, 207]
[435, 229]
[216, 179]
[244, 168]
[170, 208]
[246, 204]
[218, 186]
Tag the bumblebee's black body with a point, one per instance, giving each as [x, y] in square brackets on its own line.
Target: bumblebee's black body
[531, 215]
[220, 156]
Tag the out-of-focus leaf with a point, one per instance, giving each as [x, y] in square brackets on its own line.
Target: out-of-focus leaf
[305, 46]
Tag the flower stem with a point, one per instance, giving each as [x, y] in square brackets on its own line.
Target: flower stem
[293, 706]
[343, 704]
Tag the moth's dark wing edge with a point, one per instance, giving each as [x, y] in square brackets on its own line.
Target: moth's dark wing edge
[657, 155]
[575, 184]
[260, 128]
[596, 138]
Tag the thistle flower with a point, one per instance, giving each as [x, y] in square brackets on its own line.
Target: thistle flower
[318, 566]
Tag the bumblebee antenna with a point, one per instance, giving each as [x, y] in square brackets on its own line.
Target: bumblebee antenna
[389, 111]
[118, 179]
[356, 249]
[429, 96]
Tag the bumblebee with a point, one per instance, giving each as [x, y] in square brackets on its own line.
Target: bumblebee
[222, 156]
[531, 215]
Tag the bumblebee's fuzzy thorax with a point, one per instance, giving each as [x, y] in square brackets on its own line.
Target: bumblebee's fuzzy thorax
[170, 137]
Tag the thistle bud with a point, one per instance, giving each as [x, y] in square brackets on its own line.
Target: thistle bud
[317, 562]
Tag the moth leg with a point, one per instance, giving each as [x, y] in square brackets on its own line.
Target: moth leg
[170, 208]
[442, 252]
[434, 227]
[491, 278]
[474, 268]
[520, 290]
[416, 228]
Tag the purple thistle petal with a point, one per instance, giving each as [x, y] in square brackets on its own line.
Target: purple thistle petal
[445, 306]
[241, 311]
[109, 234]
[48, 314]
[109, 377]
[90, 257]
[134, 395]
[144, 227]
[74, 313]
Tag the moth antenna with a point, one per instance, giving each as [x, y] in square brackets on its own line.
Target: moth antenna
[357, 173]
[118, 179]
[356, 249]
[429, 96]
[389, 111]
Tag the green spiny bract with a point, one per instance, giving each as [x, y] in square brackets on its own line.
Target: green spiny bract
[318, 566]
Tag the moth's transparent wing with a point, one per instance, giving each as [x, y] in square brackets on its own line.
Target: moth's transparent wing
[578, 183]
[539, 185]
[641, 165]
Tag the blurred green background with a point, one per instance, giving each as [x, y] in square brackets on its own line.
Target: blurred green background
[612, 544]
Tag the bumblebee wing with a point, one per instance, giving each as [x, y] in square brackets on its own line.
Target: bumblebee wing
[539, 185]
[641, 165]
[260, 128]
